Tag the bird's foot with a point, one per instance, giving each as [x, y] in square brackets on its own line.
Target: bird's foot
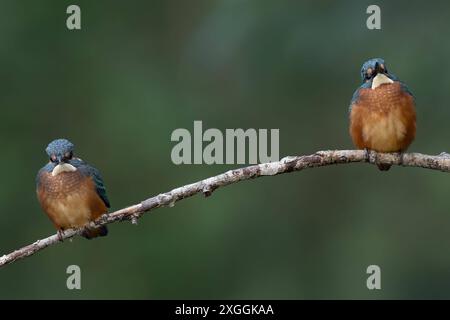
[85, 232]
[60, 235]
[371, 156]
[367, 154]
[400, 160]
[380, 165]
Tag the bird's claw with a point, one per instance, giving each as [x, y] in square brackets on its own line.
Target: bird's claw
[400, 160]
[85, 232]
[371, 156]
[60, 234]
[367, 154]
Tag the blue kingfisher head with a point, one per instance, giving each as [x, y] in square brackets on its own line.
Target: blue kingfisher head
[60, 152]
[374, 72]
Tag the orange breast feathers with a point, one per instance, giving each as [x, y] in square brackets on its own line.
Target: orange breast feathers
[69, 199]
[383, 119]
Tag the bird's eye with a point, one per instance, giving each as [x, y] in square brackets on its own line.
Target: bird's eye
[68, 155]
[53, 158]
[369, 73]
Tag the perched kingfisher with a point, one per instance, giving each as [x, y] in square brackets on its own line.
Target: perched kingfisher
[71, 191]
[382, 111]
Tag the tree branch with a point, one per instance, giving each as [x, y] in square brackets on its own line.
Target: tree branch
[207, 186]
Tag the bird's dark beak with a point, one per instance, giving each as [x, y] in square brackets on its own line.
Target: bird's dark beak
[379, 68]
[59, 159]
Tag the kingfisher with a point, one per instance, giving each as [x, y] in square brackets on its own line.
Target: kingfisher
[382, 112]
[70, 191]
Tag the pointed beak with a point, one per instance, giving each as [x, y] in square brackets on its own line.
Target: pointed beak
[379, 68]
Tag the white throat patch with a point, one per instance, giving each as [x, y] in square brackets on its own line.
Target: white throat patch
[63, 167]
[379, 80]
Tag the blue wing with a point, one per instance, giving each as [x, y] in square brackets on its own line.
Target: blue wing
[91, 171]
[365, 85]
[47, 168]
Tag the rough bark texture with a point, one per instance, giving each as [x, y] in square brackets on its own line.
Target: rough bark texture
[207, 186]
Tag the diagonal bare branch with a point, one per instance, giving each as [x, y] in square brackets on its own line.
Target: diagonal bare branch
[207, 186]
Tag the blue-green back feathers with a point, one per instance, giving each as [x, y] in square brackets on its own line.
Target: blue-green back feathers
[91, 171]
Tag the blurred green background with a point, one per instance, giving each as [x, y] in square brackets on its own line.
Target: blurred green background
[140, 69]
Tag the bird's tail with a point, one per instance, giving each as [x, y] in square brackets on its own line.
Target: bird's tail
[90, 233]
[383, 166]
